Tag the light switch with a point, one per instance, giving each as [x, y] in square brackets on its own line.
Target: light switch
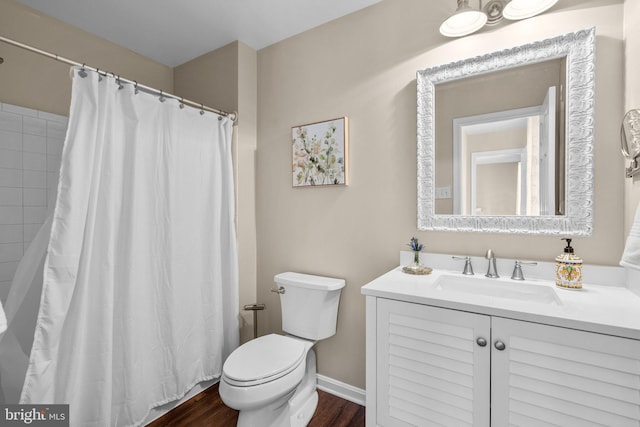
[443, 192]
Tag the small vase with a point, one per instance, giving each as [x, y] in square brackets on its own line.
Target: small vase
[416, 259]
[416, 267]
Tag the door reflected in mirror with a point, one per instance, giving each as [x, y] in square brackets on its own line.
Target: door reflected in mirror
[506, 155]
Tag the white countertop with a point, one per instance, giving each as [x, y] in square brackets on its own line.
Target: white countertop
[607, 309]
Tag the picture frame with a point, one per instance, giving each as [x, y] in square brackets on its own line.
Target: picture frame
[320, 154]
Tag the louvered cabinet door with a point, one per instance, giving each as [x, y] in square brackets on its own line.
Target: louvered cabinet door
[551, 376]
[430, 369]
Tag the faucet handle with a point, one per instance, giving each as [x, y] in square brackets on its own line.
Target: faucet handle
[490, 254]
[517, 269]
[468, 268]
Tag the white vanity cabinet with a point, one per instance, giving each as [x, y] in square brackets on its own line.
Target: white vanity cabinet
[429, 366]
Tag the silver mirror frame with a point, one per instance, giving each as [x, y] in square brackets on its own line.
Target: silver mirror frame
[579, 50]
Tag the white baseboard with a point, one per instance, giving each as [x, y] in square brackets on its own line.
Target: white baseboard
[343, 390]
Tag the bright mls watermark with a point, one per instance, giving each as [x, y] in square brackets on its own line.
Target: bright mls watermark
[34, 415]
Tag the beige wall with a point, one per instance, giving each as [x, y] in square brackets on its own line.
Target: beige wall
[211, 79]
[246, 183]
[363, 66]
[226, 78]
[632, 96]
[34, 81]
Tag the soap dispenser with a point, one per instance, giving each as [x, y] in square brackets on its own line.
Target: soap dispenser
[569, 269]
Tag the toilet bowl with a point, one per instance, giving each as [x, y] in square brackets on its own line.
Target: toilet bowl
[271, 380]
[261, 377]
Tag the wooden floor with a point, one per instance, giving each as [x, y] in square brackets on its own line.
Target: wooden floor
[207, 409]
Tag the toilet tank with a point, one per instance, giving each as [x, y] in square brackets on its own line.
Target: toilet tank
[309, 304]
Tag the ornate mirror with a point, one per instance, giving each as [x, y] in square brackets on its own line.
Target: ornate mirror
[505, 140]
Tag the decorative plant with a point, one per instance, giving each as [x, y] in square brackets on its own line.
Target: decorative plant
[416, 247]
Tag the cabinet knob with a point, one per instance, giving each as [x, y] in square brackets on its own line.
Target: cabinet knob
[481, 342]
[499, 345]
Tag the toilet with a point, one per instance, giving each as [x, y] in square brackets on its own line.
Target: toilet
[271, 380]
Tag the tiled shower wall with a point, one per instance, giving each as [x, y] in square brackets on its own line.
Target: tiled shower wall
[30, 151]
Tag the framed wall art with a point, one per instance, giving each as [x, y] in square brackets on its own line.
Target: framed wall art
[320, 153]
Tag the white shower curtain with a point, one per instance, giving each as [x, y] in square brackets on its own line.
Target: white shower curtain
[140, 292]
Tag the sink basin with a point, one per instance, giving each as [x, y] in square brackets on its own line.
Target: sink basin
[496, 288]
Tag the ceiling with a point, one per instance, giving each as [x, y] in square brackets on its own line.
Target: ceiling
[173, 32]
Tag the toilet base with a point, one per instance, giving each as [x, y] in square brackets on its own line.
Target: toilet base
[292, 410]
[303, 415]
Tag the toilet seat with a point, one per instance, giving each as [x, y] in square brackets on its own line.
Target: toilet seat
[263, 360]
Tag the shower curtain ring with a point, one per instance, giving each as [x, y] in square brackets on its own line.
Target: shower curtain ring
[202, 109]
[181, 103]
[119, 83]
[135, 88]
[82, 73]
[99, 75]
[162, 99]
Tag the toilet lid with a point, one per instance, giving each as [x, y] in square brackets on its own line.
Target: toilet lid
[263, 358]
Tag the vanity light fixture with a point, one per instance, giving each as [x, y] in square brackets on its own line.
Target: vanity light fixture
[522, 9]
[464, 21]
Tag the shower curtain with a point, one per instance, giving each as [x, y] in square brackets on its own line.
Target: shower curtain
[140, 293]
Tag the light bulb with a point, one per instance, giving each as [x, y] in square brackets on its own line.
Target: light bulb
[464, 21]
[522, 9]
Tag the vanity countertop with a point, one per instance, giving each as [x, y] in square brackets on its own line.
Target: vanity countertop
[612, 310]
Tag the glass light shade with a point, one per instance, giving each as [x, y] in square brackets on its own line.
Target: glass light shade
[522, 9]
[465, 21]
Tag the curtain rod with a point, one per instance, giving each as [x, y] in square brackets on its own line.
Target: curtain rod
[232, 115]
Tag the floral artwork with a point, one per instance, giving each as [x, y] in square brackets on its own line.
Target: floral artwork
[320, 153]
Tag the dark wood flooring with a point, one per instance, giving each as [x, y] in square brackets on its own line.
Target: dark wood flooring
[207, 409]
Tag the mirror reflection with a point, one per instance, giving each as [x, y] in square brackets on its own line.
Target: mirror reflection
[500, 143]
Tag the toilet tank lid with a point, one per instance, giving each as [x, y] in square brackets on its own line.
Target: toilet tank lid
[309, 281]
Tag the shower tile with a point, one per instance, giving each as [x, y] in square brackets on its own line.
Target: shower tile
[19, 110]
[11, 122]
[34, 144]
[10, 252]
[34, 214]
[10, 196]
[10, 214]
[53, 117]
[54, 146]
[34, 197]
[10, 140]
[52, 194]
[52, 179]
[53, 163]
[4, 291]
[11, 177]
[30, 231]
[11, 233]
[33, 179]
[33, 126]
[10, 159]
[7, 270]
[56, 130]
[34, 161]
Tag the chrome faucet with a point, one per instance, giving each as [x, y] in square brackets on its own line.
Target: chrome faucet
[517, 269]
[492, 270]
[468, 268]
